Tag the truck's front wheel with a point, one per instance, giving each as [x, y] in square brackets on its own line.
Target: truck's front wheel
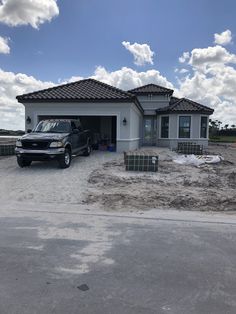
[65, 160]
[23, 162]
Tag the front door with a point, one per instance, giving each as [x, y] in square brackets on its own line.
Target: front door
[149, 131]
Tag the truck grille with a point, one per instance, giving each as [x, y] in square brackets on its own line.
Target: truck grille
[35, 144]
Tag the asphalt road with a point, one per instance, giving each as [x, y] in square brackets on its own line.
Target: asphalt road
[93, 263]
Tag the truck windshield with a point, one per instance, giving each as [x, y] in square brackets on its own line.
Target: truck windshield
[53, 127]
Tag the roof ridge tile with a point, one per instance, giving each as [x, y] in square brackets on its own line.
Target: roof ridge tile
[82, 89]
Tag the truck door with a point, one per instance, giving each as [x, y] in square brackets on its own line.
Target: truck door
[83, 138]
[75, 137]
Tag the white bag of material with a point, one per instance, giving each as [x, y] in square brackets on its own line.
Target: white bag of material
[197, 160]
[212, 159]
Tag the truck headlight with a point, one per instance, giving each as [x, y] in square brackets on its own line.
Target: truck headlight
[18, 143]
[56, 144]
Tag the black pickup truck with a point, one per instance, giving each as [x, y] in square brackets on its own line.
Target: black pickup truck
[54, 139]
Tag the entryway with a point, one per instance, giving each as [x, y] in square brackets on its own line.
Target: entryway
[149, 131]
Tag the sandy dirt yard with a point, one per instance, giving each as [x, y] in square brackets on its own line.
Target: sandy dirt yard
[208, 187]
[101, 182]
[45, 182]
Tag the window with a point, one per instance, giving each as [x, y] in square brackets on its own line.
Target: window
[184, 126]
[203, 127]
[53, 126]
[164, 127]
[76, 125]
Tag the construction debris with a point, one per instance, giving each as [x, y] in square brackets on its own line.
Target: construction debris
[212, 186]
[197, 160]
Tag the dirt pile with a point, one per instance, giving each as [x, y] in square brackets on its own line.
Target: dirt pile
[209, 187]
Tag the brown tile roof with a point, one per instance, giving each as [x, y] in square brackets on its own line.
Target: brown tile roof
[90, 90]
[184, 105]
[84, 90]
[151, 89]
[173, 100]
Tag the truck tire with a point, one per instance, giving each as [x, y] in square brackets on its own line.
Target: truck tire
[65, 160]
[87, 150]
[23, 162]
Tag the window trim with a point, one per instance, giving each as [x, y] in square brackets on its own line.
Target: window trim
[191, 126]
[160, 127]
[200, 126]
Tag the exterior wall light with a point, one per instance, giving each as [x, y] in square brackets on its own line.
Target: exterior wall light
[28, 120]
[124, 121]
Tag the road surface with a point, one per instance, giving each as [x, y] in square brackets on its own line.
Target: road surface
[68, 261]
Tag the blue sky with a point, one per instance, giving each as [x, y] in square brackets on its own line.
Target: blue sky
[89, 33]
[86, 34]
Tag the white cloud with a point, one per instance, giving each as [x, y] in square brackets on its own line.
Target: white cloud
[127, 78]
[224, 38]
[181, 71]
[11, 85]
[204, 58]
[24, 12]
[142, 53]
[4, 47]
[205, 90]
[185, 56]
[212, 81]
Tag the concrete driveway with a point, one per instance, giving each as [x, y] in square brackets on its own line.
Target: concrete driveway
[65, 261]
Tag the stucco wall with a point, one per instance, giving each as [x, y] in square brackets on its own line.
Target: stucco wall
[135, 124]
[195, 125]
[156, 102]
[129, 136]
[173, 144]
[173, 140]
[125, 134]
[128, 145]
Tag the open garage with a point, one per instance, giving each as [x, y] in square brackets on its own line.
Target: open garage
[103, 129]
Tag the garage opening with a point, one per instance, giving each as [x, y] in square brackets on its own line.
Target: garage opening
[103, 128]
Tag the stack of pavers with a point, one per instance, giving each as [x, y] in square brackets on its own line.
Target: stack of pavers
[189, 148]
[138, 161]
[7, 147]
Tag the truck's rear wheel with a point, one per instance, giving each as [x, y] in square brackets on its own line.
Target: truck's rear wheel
[23, 162]
[87, 150]
[65, 160]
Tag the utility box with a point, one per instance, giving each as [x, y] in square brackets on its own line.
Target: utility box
[7, 149]
[140, 162]
[189, 148]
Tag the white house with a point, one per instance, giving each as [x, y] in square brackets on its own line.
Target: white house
[147, 115]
